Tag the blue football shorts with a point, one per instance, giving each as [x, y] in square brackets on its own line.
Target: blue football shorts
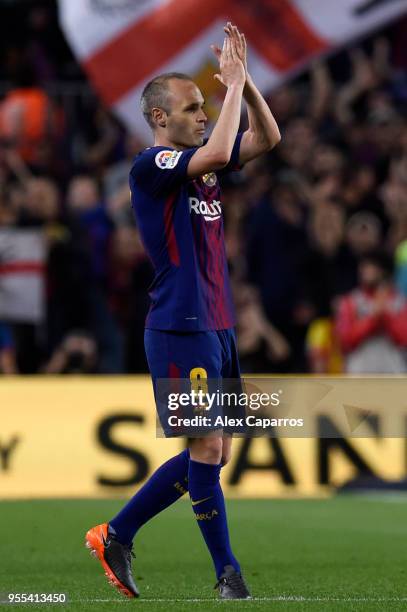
[194, 357]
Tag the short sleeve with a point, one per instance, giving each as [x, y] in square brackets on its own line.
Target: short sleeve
[233, 164]
[159, 170]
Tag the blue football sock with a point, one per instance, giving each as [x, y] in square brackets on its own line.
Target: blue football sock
[208, 505]
[162, 489]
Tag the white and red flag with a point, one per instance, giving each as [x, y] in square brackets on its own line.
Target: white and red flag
[122, 44]
[22, 275]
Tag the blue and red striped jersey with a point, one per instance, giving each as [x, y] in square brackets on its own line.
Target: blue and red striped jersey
[181, 225]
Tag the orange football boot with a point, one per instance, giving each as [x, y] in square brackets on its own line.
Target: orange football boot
[114, 557]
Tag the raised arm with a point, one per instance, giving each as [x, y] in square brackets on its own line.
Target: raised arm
[263, 133]
[215, 154]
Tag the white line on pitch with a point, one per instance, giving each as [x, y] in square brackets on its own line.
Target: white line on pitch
[287, 598]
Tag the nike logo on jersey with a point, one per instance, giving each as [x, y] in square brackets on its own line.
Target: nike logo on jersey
[210, 211]
[199, 501]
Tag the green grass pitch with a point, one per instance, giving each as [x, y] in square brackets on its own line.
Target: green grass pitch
[340, 554]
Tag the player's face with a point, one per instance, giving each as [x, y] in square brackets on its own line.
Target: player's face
[186, 121]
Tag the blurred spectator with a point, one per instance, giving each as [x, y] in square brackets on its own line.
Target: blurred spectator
[329, 267]
[284, 104]
[84, 201]
[77, 354]
[235, 213]
[7, 350]
[99, 141]
[372, 321]
[28, 120]
[257, 181]
[401, 267]
[323, 350]
[329, 272]
[276, 253]
[260, 344]
[22, 290]
[394, 196]
[297, 146]
[116, 184]
[363, 233]
[131, 274]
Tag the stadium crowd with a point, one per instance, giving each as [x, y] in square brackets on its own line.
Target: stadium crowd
[316, 231]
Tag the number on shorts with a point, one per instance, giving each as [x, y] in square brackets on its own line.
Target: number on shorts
[199, 382]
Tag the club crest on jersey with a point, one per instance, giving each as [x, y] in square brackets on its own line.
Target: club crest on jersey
[209, 179]
[167, 160]
[211, 211]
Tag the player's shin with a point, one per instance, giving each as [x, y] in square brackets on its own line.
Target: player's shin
[208, 505]
[163, 488]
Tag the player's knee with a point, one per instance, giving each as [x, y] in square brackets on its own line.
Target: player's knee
[207, 450]
[226, 449]
[226, 455]
[213, 449]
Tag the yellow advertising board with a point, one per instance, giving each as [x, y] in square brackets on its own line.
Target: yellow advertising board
[96, 437]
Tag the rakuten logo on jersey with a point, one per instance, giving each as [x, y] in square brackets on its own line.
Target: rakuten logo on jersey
[210, 212]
